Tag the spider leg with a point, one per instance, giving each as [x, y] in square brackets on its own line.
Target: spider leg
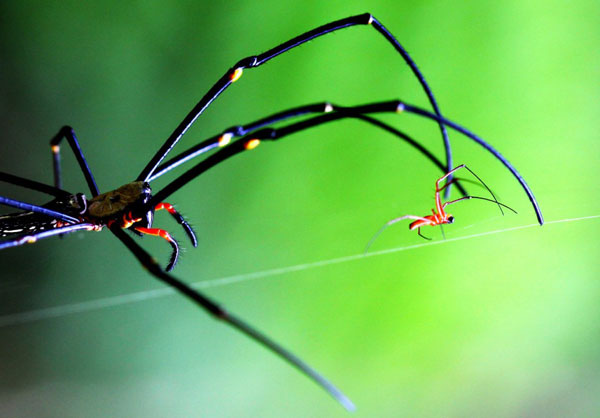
[180, 220]
[68, 133]
[219, 313]
[235, 72]
[399, 107]
[157, 232]
[251, 140]
[37, 209]
[234, 132]
[448, 174]
[414, 144]
[389, 223]
[33, 185]
[480, 198]
[30, 239]
[438, 189]
[241, 130]
[419, 232]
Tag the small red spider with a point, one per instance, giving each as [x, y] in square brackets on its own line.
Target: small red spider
[439, 215]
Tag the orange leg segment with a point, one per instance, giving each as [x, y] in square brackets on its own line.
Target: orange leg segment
[177, 216]
[157, 232]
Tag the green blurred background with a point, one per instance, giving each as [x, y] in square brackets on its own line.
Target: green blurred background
[499, 325]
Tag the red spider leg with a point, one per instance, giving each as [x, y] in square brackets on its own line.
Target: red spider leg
[157, 232]
[438, 189]
[438, 200]
[180, 220]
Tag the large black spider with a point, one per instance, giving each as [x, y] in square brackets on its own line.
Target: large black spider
[132, 205]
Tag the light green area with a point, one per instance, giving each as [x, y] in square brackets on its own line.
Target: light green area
[500, 325]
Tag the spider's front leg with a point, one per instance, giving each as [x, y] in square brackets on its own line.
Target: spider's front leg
[180, 220]
[418, 222]
[157, 232]
[164, 234]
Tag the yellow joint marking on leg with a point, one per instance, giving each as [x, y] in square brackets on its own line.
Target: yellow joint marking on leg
[251, 144]
[400, 107]
[328, 108]
[370, 20]
[235, 76]
[225, 139]
[30, 240]
[55, 149]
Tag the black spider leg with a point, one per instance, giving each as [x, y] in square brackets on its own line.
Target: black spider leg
[165, 235]
[414, 144]
[184, 224]
[234, 132]
[32, 185]
[37, 209]
[68, 133]
[324, 107]
[50, 213]
[255, 61]
[29, 239]
[219, 313]
[480, 198]
[419, 232]
[422, 112]
[349, 112]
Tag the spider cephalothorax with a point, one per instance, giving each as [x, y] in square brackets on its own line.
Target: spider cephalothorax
[129, 208]
[130, 197]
